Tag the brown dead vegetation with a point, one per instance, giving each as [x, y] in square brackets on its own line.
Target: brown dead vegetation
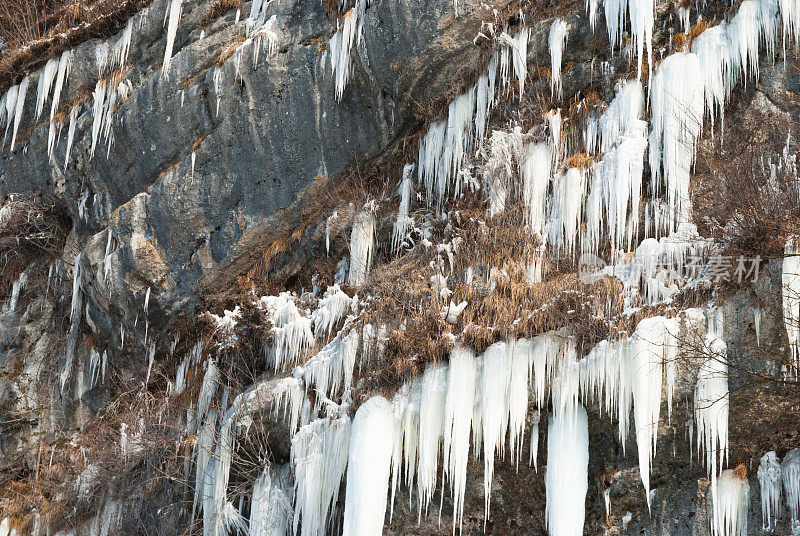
[37, 30]
[30, 229]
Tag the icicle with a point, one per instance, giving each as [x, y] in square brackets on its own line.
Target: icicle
[289, 395]
[75, 319]
[444, 148]
[556, 41]
[567, 475]
[208, 389]
[362, 244]
[341, 45]
[174, 13]
[319, 458]
[368, 468]
[204, 451]
[46, 77]
[646, 352]
[73, 119]
[711, 405]
[330, 309]
[790, 469]
[270, 505]
[565, 210]
[18, 109]
[494, 418]
[731, 498]
[757, 323]
[535, 171]
[642, 19]
[98, 108]
[791, 298]
[431, 428]
[462, 379]
[591, 10]
[534, 446]
[676, 102]
[769, 476]
[518, 46]
[517, 393]
[403, 221]
[123, 46]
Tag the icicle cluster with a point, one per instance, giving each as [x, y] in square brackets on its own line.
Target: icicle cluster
[769, 477]
[711, 398]
[731, 500]
[347, 34]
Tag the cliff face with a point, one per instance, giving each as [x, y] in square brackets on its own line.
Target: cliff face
[175, 192]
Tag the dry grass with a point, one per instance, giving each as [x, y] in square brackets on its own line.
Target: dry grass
[30, 229]
[36, 30]
[219, 8]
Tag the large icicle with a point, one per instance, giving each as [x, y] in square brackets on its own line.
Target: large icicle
[19, 106]
[46, 77]
[174, 14]
[368, 468]
[535, 171]
[567, 475]
[769, 477]
[444, 148]
[518, 46]
[319, 458]
[494, 382]
[461, 384]
[676, 103]
[731, 498]
[791, 297]
[341, 44]
[270, 505]
[362, 244]
[566, 209]
[649, 349]
[790, 472]
[557, 40]
[431, 429]
[642, 19]
[711, 401]
[403, 222]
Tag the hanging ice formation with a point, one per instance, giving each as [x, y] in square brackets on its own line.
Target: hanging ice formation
[790, 473]
[769, 476]
[711, 398]
[641, 14]
[461, 385]
[271, 505]
[347, 34]
[517, 47]
[368, 468]
[791, 297]
[557, 40]
[75, 319]
[485, 397]
[676, 102]
[403, 221]
[731, 500]
[174, 14]
[448, 142]
[566, 477]
[320, 458]
[362, 243]
[15, 105]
